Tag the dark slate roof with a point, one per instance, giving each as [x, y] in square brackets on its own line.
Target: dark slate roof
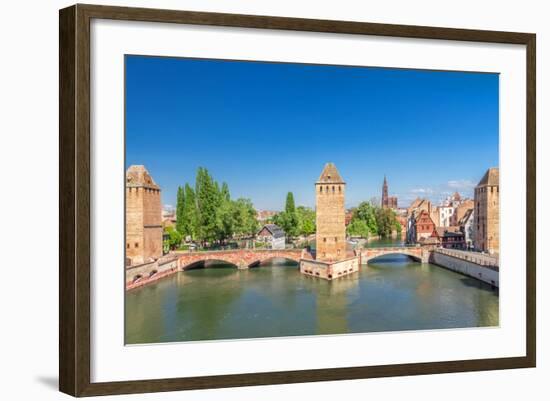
[490, 177]
[330, 175]
[275, 230]
[448, 232]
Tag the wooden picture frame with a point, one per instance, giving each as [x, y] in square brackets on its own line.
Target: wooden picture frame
[75, 207]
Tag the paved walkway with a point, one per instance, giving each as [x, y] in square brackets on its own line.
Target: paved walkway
[481, 259]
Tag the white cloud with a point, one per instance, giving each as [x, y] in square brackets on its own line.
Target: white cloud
[461, 184]
[426, 191]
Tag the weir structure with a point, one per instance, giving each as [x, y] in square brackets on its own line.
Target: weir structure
[331, 260]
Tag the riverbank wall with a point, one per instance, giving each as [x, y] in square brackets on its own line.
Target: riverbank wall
[468, 264]
[140, 275]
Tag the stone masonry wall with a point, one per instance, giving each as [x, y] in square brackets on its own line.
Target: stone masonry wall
[487, 275]
[486, 219]
[143, 224]
[331, 227]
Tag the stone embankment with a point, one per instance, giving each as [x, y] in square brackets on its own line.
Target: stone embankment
[473, 264]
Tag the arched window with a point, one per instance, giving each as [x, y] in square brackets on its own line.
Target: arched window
[339, 189]
[321, 189]
[333, 189]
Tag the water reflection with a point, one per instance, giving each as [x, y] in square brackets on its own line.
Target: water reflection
[274, 299]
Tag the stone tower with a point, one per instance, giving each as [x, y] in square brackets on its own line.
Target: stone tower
[331, 226]
[486, 212]
[143, 217]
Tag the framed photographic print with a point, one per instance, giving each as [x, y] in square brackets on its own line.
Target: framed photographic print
[297, 200]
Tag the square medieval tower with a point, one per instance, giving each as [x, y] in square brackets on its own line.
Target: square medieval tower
[143, 217]
[486, 212]
[331, 214]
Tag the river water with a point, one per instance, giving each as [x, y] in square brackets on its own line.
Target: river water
[390, 293]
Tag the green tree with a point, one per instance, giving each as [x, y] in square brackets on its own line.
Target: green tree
[174, 237]
[225, 192]
[244, 217]
[358, 228]
[306, 220]
[386, 220]
[288, 219]
[367, 212]
[190, 213]
[180, 214]
[207, 203]
[225, 216]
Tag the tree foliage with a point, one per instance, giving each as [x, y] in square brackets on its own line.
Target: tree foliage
[190, 216]
[386, 219]
[363, 222]
[174, 237]
[180, 207]
[208, 214]
[288, 220]
[207, 204]
[306, 220]
[358, 228]
[370, 219]
[244, 215]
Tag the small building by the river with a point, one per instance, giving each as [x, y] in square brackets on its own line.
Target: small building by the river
[451, 237]
[273, 235]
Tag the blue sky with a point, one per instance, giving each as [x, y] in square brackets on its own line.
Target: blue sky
[269, 128]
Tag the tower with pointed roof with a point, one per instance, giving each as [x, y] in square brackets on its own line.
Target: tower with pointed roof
[330, 191]
[385, 192]
[143, 217]
[486, 212]
[387, 201]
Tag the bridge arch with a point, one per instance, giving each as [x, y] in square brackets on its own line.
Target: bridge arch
[374, 253]
[242, 258]
[201, 264]
[411, 256]
[259, 261]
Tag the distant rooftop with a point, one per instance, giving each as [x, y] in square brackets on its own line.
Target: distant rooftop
[330, 175]
[274, 229]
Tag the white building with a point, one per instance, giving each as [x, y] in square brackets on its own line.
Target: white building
[273, 235]
[467, 227]
[445, 215]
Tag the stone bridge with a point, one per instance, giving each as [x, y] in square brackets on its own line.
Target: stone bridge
[416, 252]
[241, 258]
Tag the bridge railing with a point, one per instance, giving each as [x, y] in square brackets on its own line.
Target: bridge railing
[488, 261]
[392, 246]
[264, 250]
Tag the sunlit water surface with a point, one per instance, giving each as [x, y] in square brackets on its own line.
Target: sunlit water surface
[221, 302]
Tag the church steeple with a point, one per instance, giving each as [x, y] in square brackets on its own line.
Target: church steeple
[385, 192]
